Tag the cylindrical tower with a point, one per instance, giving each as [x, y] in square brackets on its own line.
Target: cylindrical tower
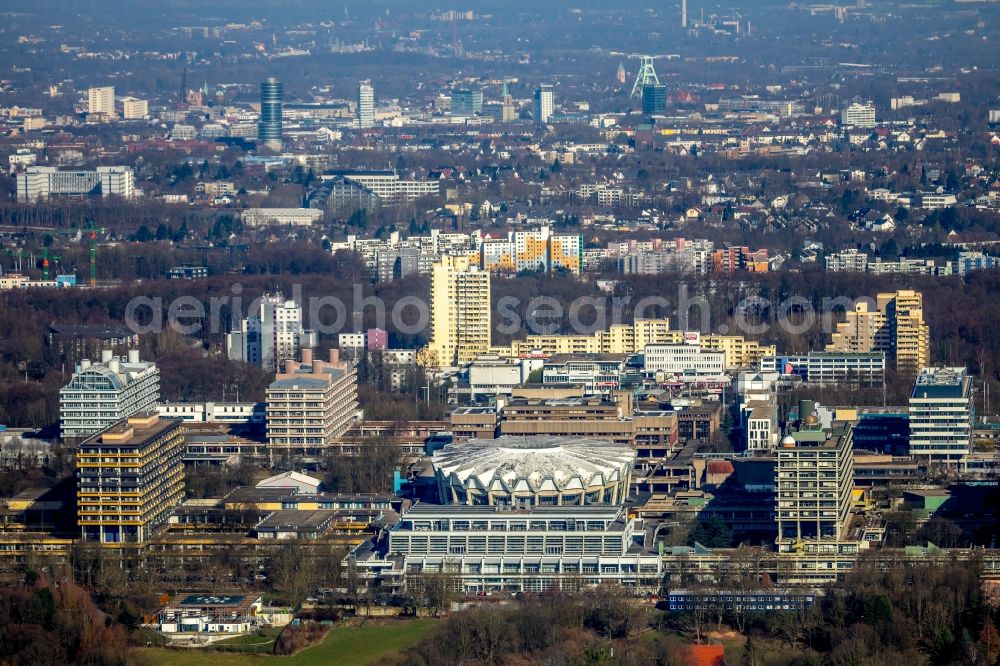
[269, 128]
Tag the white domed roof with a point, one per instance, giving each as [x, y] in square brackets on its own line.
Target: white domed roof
[788, 440]
[538, 463]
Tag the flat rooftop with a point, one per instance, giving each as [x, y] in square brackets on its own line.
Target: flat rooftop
[133, 431]
[940, 377]
[292, 519]
[208, 600]
[560, 359]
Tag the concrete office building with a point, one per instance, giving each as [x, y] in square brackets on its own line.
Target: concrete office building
[310, 403]
[466, 102]
[865, 369]
[460, 312]
[274, 334]
[214, 412]
[130, 476]
[103, 393]
[858, 115]
[654, 99]
[652, 433]
[683, 360]
[101, 103]
[489, 549]
[296, 217]
[597, 373]
[269, 129]
[760, 425]
[490, 375]
[365, 112]
[941, 414]
[544, 104]
[896, 327]
[814, 478]
[48, 182]
[135, 109]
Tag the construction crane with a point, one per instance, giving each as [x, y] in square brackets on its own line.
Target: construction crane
[92, 236]
[45, 263]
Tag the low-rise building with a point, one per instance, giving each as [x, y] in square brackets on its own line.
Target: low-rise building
[683, 361]
[300, 217]
[213, 412]
[865, 369]
[235, 613]
[597, 373]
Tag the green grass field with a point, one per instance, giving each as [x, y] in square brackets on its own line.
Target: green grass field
[343, 646]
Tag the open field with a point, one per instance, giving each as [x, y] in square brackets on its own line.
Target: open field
[343, 646]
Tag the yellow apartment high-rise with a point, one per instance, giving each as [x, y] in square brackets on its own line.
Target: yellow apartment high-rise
[895, 327]
[129, 478]
[460, 312]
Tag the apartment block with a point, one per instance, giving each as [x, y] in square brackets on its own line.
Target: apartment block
[365, 110]
[739, 352]
[101, 103]
[272, 335]
[896, 327]
[566, 253]
[617, 339]
[847, 261]
[731, 259]
[460, 312]
[544, 104]
[130, 476]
